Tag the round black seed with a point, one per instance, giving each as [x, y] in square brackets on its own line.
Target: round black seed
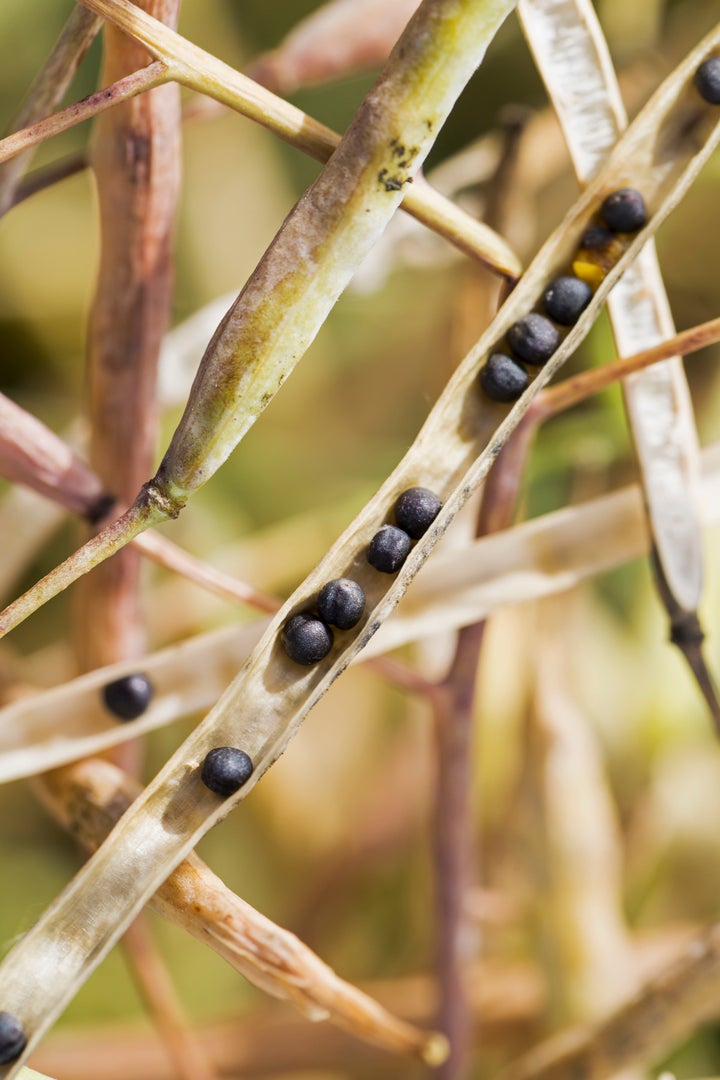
[624, 211]
[707, 80]
[341, 603]
[306, 639]
[128, 697]
[12, 1038]
[503, 379]
[388, 549]
[415, 511]
[595, 237]
[225, 770]
[566, 299]
[533, 338]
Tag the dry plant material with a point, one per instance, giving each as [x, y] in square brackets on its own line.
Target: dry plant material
[661, 152]
[660, 1015]
[48, 90]
[89, 798]
[569, 48]
[340, 38]
[532, 560]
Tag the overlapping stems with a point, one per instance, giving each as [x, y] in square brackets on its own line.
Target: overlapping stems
[265, 705]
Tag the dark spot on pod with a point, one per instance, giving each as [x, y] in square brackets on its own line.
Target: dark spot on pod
[306, 639]
[415, 511]
[128, 697]
[707, 80]
[341, 603]
[533, 338]
[503, 379]
[388, 549]
[12, 1038]
[595, 237]
[566, 299]
[225, 770]
[624, 211]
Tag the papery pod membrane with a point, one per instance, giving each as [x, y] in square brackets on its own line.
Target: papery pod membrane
[660, 154]
[573, 59]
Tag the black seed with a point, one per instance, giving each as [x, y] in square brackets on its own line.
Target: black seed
[503, 379]
[416, 509]
[595, 237]
[707, 80]
[533, 338]
[341, 603]
[225, 770]
[129, 697]
[388, 549]
[624, 211]
[12, 1038]
[306, 639]
[566, 299]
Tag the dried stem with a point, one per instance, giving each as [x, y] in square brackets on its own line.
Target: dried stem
[201, 71]
[123, 90]
[188, 1055]
[659, 1016]
[48, 90]
[89, 798]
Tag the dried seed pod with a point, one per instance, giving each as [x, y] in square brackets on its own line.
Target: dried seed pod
[12, 1038]
[225, 770]
[533, 338]
[503, 379]
[707, 80]
[388, 549]
[306, 639]
[624, 211]
[566, 299]
[341, 603]
[128, 697]
[415, 511]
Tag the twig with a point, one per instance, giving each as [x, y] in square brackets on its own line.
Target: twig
[188, 1055]
[662, 1014]
[123, 90]
[89, 798]
[48, 90]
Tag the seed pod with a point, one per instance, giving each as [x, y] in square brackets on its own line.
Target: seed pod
[533, 338]
[306, 639]
[12, 1038]
[566, 299]
[388, 549]
[415, 511]
[128, 697]
[341, 603]
[503, 379]
[624, 211]
[225, 770]
[707, 80]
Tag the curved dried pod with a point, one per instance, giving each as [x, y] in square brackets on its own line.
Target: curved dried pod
[320, 245]
[263, 708]
[89, 798]
[570, 51]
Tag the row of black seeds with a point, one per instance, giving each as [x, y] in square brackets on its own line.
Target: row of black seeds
[534, 338]
[307, 637]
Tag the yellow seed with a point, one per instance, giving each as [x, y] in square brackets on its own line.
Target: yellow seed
[588, 272]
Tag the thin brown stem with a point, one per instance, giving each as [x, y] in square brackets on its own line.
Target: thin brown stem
[48, 89]
[153, 75]
[188, 1055]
